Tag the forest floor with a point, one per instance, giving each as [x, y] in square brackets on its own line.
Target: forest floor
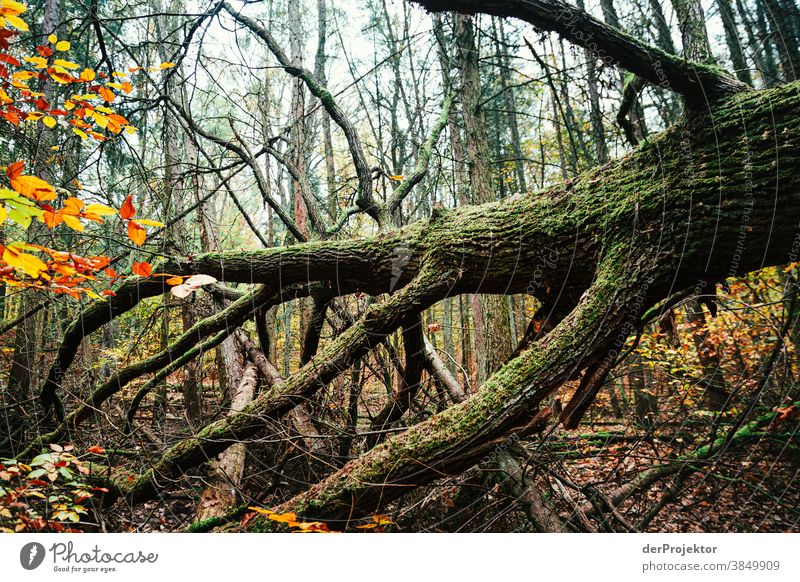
[754, 489]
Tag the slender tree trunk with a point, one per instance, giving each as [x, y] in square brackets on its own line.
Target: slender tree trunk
[734, 43]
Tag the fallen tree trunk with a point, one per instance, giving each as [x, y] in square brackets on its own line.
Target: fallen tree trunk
[685, 244]
[695, 203]
[220, 496]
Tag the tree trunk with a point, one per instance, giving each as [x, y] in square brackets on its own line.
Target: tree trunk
[220, 496]
[621, 276]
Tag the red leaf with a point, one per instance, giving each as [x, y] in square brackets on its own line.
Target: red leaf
[96, 449]
[10, 60]
[127, 211]
[143, 269]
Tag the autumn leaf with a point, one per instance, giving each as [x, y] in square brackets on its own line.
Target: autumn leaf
[65, 64]
[136, 232]
[60, 75]
[127, 211]
[143, 269]
[38, 62]
[9, 13]
[148, 222]
[106, 93]
[96, 449]
[33, 187]
[289, 517]
[73, 222]
[15, 169]
[96, 211]
[31, 265]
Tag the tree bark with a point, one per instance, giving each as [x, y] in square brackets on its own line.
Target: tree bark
[221, 494]
[621, 276]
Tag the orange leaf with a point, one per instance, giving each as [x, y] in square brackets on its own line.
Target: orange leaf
[96, 449]
[106, 93]
[143, 269]
[33, 187]
[136, 232]
[15, 169]
[174, 281]
[127, 211]
[283, 517]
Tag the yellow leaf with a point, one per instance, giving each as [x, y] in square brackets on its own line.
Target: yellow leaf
[166, 65]
[31, 265]
[65, 64]
[38, 62]
[148, 222]
[88, 75]
[49, 121]
[80, 133]
[100, 209]
[13, 7]
[52, 38]
[3, 214]
[101, 120]
[62, 45]
[72, 222]
[23, 75]
[396, 178]
[16, 22]
[60, 75]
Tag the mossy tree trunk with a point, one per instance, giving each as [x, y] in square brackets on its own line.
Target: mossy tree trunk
[715, 196]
